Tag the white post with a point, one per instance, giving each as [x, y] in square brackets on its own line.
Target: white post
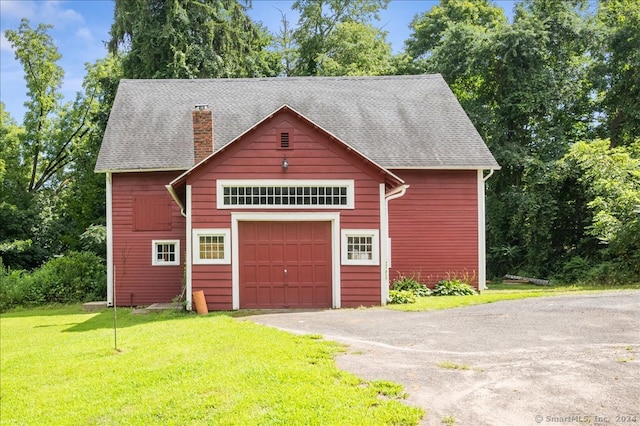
[110, 267]
[189, 253]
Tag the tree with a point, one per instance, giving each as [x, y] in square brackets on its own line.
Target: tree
[355, 49]
[52, 131]
[610, 179]
[617, 69]
[49, 159]
[190, 39]
[319, 19]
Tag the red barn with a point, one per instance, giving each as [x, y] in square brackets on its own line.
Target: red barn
[306, 192]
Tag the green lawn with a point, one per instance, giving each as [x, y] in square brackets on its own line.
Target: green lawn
[499, 292]
[59, 366]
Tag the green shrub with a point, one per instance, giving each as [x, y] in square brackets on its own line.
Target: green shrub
[75, 277]
[403, 283]
[401, 297]
[15, 287]
[453, 287]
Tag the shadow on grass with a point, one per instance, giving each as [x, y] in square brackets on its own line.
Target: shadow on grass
[45, 311]
[125, 318]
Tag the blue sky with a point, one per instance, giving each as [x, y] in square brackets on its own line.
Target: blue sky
[81, 28]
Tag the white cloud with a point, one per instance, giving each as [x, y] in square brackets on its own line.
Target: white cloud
[17, 9]
[85, 34]
[5, 45]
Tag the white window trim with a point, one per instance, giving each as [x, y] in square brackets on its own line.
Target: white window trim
[375, 241]
[349, 183]
[216, 232]
[154, 253]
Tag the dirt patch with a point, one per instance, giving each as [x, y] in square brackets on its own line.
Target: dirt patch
[565, 359]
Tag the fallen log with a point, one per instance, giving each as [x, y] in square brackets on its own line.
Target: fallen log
[535, 281]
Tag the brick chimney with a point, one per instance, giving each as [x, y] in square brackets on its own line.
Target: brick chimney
[202, 132]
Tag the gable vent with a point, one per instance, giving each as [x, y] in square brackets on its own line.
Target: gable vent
[284, 140]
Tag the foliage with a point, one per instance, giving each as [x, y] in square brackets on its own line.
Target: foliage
[616, 71]
[502, 292]
[453, 287]
[168, 371]
[401, 296]
[49, 193]
[316, 41]
[75, 277]
[190, 39]
[610, 178]
[354, 48]
[410, 284]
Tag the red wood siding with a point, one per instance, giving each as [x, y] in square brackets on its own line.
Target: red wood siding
[137, 282]
[312, 155]
[434, 226]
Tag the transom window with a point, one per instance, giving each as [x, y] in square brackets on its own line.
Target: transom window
[360, 247]
[211, 246]
[288, 194]
[166, 252]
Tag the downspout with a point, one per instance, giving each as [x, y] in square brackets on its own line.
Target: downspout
[486, 178]
[385, 247]
[482, 233]
[175, 197]
[396, 192]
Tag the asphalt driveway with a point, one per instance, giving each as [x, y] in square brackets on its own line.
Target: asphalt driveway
[562, 359]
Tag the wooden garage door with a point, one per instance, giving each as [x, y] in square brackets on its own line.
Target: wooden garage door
[285, 264]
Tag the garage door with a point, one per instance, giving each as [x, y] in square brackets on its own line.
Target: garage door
[285, 264]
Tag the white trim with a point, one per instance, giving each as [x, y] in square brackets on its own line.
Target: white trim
[385, 259]
[109, 196]
[225, 233]
[189, 254]
[487, 167]
[482, 254]
[374, 234]
[332, 217]
[349, 183]
[167, 169]
[154, 252]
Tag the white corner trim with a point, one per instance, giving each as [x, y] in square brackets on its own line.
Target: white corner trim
[189, 252]
[482, 249]
[332, 217]
[109, 196]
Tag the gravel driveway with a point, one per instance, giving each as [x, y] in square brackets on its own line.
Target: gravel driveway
[549, 360]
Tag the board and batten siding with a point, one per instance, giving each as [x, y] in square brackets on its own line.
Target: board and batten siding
[434, 226]
[143, 211]
[312, 155]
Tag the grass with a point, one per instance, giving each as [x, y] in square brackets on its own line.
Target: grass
[59, 366]
[500, 292]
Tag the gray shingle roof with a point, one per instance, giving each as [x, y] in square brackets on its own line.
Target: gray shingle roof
[396, 121]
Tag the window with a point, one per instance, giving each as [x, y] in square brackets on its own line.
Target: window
[285, 194]
[211, 246]
[360, 247]
[166, 252]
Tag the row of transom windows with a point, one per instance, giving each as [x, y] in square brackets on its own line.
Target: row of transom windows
[289, 193]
